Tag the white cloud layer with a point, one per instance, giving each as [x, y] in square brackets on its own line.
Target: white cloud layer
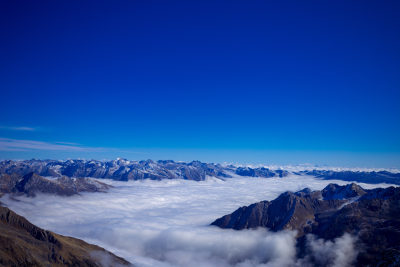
[165, 223]
[340, 252]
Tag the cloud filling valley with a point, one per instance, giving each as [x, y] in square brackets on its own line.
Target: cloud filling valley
[166, 223]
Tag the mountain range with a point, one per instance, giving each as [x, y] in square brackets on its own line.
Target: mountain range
[124, 170]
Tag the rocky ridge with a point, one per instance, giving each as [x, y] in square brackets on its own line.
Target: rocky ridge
[370, 215]
[24, 244]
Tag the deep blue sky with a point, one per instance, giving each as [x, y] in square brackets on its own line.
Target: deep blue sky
[247, 81]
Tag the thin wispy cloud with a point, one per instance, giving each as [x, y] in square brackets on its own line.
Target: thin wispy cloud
[8, 144]
[18, 145]
[68, 143]
[19, 128]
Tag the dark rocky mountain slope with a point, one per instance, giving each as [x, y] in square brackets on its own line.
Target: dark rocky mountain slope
[371, 215]
[24, 244]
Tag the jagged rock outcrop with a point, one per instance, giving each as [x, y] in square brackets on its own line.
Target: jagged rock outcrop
[293, 211]
[370, 215]
[24, 244]
[334, 191]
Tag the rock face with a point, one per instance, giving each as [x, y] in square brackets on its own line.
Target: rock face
[24, 244]
[371, 215]
[31, 184]
[334, 191]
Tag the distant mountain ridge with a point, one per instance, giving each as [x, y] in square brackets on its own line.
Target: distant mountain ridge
[30, 184]
[124, 170]
[371, 215]
[373, 177]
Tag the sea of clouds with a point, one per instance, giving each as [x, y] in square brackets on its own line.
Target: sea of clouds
[166, 223]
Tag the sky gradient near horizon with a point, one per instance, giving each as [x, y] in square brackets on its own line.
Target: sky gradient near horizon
[257, 81]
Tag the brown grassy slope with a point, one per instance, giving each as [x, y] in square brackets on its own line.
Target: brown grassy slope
[24, 244]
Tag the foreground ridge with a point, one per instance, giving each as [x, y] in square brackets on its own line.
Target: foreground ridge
[24, 244]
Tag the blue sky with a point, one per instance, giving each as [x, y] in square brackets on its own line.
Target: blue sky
[257, 81]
